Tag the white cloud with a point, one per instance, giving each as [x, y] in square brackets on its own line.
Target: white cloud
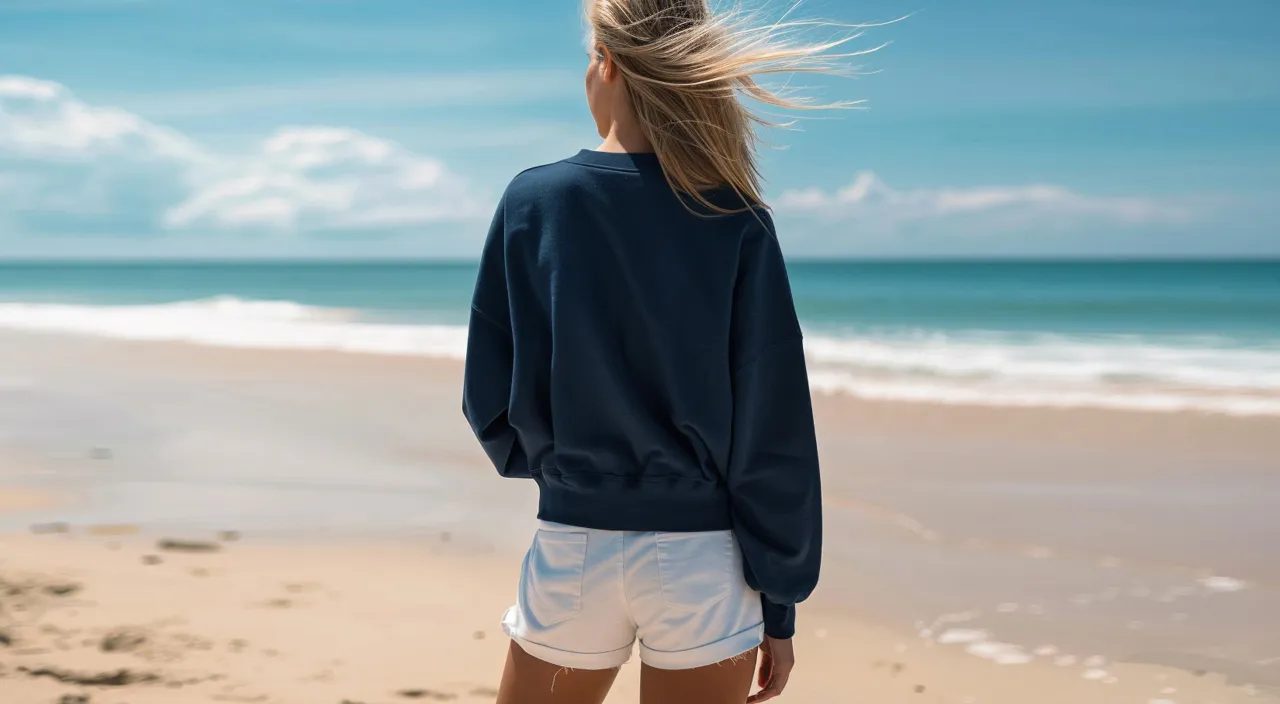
[74, 166]
[71, 166]
[42, 119]
[327, 178]
[869, 199]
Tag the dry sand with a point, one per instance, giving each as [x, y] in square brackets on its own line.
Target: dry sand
[386, 622]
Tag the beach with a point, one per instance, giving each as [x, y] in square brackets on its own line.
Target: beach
[973, 554]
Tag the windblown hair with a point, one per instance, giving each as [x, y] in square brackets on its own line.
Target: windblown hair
[688, 72]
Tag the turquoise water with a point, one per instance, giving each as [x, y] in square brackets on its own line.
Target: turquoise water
[1143, 335]
[1237, 299]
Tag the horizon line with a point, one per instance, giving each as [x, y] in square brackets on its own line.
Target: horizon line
[799, 259]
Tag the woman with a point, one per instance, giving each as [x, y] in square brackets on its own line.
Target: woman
[634, 349]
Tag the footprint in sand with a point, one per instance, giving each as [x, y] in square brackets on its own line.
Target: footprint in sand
[117, 678]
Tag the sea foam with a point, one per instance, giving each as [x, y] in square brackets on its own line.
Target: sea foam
[978, 369]
[232, 322]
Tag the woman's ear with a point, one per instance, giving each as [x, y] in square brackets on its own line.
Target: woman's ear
[608, 68]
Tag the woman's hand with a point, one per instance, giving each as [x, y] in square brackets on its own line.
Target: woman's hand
[777, 659]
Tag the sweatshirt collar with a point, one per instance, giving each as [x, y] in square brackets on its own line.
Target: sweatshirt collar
[625, 161]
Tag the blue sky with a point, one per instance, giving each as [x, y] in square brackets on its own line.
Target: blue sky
[284, 128]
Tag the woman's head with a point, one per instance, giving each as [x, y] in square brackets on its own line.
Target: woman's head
[679, 74]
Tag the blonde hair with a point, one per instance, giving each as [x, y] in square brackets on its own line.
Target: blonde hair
[687, 71]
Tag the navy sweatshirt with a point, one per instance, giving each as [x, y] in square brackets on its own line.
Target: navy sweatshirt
[644, 366]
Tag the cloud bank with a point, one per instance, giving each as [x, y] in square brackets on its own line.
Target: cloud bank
[325, 178]
[868, 199]
[73, 169]
[68, 165]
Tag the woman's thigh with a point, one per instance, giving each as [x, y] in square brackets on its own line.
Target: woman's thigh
[528, 680]
[727, 682]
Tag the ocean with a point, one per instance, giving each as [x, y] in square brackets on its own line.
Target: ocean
[1149, 336]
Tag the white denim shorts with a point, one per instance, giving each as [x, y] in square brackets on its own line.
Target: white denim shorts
[587, 595]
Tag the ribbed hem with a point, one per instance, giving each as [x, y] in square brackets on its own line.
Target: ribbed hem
[678, 506]
[738, 643]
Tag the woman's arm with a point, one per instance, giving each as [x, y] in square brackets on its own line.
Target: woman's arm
[773, 475]
[486, 386]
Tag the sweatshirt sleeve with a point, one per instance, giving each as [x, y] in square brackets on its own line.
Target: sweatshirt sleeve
[486, 386]
[773, 465]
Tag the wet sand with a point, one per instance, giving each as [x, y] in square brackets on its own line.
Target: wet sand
[981, 555]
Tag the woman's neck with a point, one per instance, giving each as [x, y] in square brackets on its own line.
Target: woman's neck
[625, 139]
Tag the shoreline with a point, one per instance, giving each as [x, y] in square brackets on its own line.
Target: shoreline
[960, 372]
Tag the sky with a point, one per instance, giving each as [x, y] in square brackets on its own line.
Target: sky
[389, 128]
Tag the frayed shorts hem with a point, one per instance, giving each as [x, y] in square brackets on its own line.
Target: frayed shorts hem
[704, 655]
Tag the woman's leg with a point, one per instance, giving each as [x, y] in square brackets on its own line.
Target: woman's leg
[727, 682]
[528, 680]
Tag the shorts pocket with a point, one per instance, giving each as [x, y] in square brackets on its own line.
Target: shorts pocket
[696, 569]
[552, 590]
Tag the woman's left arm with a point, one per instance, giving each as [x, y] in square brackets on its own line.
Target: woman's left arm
[486, 386]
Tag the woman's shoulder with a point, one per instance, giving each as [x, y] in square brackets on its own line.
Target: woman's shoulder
[540, 182]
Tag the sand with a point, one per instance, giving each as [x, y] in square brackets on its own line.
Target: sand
[388, 622]
[973, 555]
[13, 499]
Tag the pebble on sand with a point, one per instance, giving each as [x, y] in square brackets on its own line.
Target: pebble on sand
[426, 694]
[62, 588]
[173, 545]
[123, 640]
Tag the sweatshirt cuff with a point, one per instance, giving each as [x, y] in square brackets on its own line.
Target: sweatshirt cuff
[779, 620]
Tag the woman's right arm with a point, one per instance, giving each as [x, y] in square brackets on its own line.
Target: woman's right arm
[486, 386]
